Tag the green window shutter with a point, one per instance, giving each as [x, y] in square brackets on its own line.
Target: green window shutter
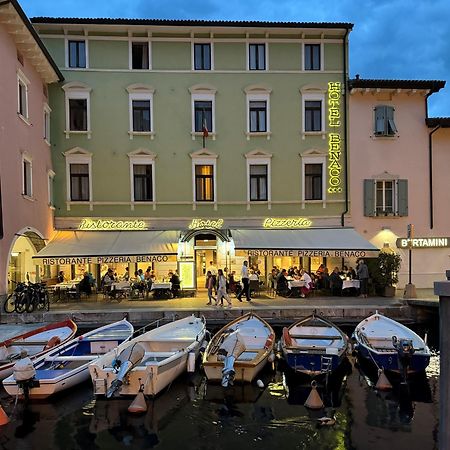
[402, 192]
[391, 128]
[380, 120]
[369, 198]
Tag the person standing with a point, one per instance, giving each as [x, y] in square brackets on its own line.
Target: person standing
[362, 272]
[222, 289]
[210, 287]
[245, 283]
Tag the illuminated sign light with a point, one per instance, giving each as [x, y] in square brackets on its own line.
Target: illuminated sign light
[200, 224]
[433, 242]
[112, 225]
[101, 259]
[316, 253]
[287, 222]
[334, 139]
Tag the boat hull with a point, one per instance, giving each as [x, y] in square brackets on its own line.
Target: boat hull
[389, 361]
[310, 364]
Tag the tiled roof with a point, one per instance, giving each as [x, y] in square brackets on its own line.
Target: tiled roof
[192, 23]
[443, 122]
[433, 85]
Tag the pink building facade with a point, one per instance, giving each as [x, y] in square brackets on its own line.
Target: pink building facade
[399, 174]
[25, 162]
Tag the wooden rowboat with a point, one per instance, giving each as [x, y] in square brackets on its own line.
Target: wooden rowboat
[36, 343]
[239, 350]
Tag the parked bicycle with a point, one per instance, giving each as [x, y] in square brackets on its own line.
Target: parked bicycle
[27, 297]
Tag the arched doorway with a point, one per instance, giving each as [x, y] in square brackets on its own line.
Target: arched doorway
[205, 249]
[21, 266]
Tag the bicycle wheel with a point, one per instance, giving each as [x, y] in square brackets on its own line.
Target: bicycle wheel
[43, 301]
[10, 303]
[32, 301]
[21, 302]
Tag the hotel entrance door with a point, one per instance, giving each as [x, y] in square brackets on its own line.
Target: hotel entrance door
[205, 251]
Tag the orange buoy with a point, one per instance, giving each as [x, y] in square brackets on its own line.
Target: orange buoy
[4, 419]
[314, 401]
[383, 383]
[138, 405]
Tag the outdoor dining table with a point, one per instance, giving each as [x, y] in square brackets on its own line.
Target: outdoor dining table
[162, 289]
[296, 284]
[120, 289]
[348, 284]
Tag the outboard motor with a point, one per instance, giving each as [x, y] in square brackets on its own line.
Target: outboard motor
[24, 373]
[405, 351]
[131, 356]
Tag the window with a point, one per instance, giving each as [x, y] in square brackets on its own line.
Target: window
[140, 56]
[46, 124]
[79, 182]
[258, 116]
[78, 114]
[384, 121]
[258, 182]
[313, 115]
[143, 182]
[141, 115]
[51, 180]
[204, 183]
[27, 177]
[22, 94]
[77, 54]
[313, 181]
[78, 119]
[312, 57]
[202, 56]
[257, 56]
[203, 116]
[386, 197]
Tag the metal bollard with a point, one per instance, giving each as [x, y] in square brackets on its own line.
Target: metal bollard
[442, 289]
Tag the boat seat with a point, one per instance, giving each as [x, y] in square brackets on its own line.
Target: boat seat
[46, 374]
[157, 354]
[177, 340]
[315, 336]
[73, 358]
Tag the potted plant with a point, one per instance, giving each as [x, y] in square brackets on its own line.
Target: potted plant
[386, 275]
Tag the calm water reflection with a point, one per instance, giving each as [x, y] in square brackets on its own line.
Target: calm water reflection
[194, 415]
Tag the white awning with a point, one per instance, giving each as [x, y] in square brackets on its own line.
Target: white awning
[338, 242]
[103, 247]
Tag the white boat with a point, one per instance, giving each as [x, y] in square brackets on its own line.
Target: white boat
[67, 365]
[35, 342]
[239, 350]
[149, 362]
[390, 345]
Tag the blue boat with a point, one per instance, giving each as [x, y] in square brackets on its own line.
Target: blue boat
[313, 346]
[390, 345]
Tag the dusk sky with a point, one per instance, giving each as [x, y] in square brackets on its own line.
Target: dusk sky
[394, 39]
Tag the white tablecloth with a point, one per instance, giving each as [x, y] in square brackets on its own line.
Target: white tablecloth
[346, 284]
[161, 286]
[295, 284]
[65, 286]
[120, 286]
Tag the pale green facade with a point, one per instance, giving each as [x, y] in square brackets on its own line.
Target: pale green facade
[171, 77]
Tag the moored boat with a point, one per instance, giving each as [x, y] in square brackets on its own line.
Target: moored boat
[66, 365]
[390, 345]
[239, 350]
[149, 362]
[313, 346]
[35, 343]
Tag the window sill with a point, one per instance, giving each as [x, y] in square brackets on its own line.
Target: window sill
[196, 134]
[24, 119]
[28, 197]
[313, 133]
[88, 133]
[151, 134]
[266, 134]
[384, 136]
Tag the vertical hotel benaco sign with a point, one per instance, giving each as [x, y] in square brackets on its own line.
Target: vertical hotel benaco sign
[334, 138]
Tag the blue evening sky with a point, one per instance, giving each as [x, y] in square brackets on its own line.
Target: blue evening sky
[394, 39]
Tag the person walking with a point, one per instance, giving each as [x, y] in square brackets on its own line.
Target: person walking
[362, 272]
[222, 289]
[210, 287]
[245, 283]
